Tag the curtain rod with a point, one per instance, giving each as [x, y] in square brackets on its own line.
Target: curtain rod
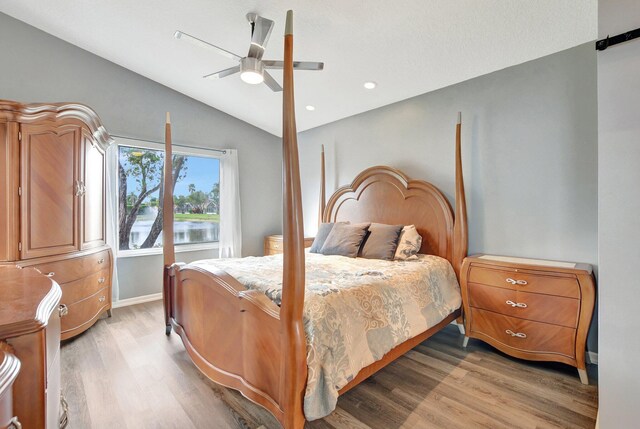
[603, 44]
[176, 145]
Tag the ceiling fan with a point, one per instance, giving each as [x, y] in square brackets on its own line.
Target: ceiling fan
[252, 68]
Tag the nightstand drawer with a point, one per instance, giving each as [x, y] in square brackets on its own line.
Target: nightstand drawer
[523, 335]
[531, 306]
[275, 245]
[525, 281]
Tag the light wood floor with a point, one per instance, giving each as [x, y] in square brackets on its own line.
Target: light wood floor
[125, 373]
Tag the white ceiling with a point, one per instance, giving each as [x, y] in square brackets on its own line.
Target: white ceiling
[408, 47]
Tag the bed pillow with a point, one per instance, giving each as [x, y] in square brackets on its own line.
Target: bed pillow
[321, 236]
[345, 239]
[408, 244]
[381, 241]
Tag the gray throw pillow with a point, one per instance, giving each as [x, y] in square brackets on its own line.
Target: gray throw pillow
[345, 239]
[381, 242]
[323, 232]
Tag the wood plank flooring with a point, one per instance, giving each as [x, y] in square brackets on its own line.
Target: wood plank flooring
[125, 373]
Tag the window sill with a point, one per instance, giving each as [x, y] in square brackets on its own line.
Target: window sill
[158, 250]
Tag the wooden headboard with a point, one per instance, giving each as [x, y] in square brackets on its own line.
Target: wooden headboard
[386, 195]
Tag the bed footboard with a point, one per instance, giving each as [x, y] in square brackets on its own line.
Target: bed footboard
[233, 335]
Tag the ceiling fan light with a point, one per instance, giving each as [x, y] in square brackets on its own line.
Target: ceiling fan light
[251, 70]
[252, 77]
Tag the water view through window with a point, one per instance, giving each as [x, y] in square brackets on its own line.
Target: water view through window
[140, 190]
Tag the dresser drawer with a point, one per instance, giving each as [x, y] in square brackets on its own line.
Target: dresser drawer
[523, 335]
[525, 281]
[80, 289]
[85, 311]
[531, 306]
[68, 270]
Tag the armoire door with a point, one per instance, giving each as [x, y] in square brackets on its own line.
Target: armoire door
[93, 192]
[49, 184]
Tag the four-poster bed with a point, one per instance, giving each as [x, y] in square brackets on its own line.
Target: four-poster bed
[240, 337]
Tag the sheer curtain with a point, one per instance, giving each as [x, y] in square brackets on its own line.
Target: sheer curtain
[112, 213]
[230, 224]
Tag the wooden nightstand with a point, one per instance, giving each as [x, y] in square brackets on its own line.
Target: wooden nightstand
[273, 244]
[529, 308]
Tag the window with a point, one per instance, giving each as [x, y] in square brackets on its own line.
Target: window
[140, 189]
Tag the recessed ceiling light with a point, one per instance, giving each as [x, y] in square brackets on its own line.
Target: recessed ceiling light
[370, 85]
[310, 108]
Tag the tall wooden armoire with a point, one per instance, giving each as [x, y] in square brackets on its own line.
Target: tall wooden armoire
[53, 202]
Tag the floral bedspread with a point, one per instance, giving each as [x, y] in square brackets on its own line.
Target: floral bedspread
[356, 310]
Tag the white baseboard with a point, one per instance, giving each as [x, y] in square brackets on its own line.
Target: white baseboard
[137, 300]
[592, 357]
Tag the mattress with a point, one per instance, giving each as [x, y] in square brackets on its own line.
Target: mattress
[355, 310]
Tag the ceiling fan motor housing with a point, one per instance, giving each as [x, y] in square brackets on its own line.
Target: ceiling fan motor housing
[251, 70]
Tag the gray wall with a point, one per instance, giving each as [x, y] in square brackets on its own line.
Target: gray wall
[618, 216]
[529, 153]
[38, 67]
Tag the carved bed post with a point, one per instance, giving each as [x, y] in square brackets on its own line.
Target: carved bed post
[460, 231]
[167, 224]
[294, 364]
[323, 199]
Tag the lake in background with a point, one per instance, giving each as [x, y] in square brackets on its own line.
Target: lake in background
[184, 232]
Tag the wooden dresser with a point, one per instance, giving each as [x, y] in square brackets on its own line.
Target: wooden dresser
[52, 203]
[30, 325]
[273, 244]
[530, 309]
[9, 369]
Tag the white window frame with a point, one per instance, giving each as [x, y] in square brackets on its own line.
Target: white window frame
[177, 150]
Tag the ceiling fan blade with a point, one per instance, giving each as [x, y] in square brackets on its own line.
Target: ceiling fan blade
[298, 65]
[198, 42]
[223, 73]
[271, 82]
[260, 32]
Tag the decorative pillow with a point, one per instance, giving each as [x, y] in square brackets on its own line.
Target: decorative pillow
[381, 242]
[409, 243]
[323, 232]
[345, 239]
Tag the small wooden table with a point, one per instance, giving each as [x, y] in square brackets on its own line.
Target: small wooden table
[273, 244]
[529, 308]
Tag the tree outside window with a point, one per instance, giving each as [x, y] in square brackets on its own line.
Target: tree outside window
[196, 190]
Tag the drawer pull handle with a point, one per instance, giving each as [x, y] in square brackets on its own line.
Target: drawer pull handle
[51, 274]
[101, 280]
[15, 423]
[517, 304]
[63, 310]
[102, 298]
[516, 334]
[516, 282]
[101, 260]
